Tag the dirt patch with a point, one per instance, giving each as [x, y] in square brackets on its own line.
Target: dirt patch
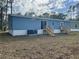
[39, 47]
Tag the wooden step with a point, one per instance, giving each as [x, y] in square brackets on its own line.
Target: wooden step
[50, 31]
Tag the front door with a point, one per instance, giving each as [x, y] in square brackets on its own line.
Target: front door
[62, 26]
[43, 24]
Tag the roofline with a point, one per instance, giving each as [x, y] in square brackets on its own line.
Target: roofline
[35, 18]
[32, 17]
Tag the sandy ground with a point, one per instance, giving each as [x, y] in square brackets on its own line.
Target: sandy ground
[39, 47]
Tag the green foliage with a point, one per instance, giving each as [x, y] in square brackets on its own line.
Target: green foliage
[59, 16]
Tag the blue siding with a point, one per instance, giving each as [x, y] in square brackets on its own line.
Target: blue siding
[54, 24]
[25, 23]
[74, 24]
[67, 24]
[33, 25]
[20, 23]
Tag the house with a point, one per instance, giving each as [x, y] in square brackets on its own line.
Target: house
[21, 25]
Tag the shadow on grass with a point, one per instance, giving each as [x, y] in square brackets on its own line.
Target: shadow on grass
[6, 37]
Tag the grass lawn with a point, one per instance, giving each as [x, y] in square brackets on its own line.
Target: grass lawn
[40, 47]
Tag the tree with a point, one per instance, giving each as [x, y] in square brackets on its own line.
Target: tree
[46, 15]
[72, 12]
[30, 14]
[3, 3]
[59, 16]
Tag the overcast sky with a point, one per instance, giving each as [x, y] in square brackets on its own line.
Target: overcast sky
[41, 6]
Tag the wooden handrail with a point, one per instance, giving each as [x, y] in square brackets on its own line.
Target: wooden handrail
[50, 31]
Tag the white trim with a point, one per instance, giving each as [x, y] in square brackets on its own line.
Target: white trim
[10, 32]
[57, 31]
[40, 31]
[74, 29]
[18, 32]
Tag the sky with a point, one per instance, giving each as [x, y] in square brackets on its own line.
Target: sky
[42, 6]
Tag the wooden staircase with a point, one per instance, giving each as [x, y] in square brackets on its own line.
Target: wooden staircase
[50, 31]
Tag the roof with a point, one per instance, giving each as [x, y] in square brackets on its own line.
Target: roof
[34, 17]
[38, 18]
